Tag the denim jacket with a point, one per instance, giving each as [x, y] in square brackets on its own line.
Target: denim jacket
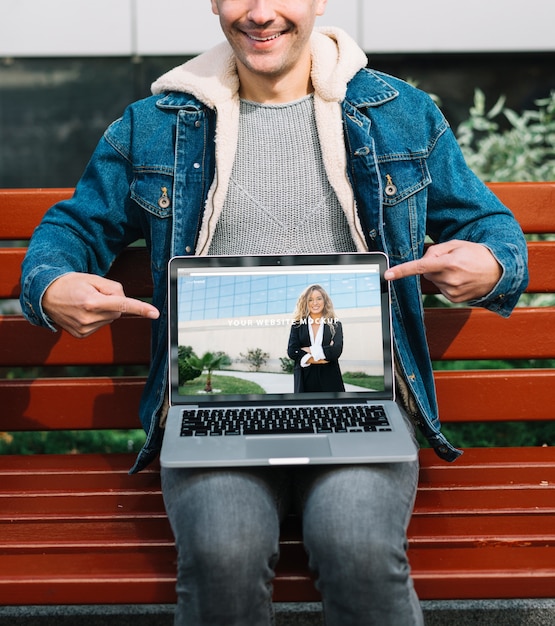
[391, 132]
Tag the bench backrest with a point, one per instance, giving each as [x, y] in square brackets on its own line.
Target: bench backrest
[98, 401]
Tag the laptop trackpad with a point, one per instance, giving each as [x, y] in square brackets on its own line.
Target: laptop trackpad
[288, 450]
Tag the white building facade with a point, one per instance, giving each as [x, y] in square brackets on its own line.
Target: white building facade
[58, 28]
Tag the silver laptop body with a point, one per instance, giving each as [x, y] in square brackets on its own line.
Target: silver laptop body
[230, 319]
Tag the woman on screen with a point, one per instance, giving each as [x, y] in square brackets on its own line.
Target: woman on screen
[316, 343]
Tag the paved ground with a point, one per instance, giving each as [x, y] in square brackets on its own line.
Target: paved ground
[540, 612]
[273, 382]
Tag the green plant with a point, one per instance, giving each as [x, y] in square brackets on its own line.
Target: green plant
[186, 370]
[227, 385]
[502, 145]
[497, 434]
[360, 379]
[71, 442]
[287, 365]
[209, 362]
[256, 358]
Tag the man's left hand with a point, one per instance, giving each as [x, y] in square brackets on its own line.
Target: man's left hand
[461, 270]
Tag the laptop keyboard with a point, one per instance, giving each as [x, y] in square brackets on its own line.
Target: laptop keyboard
[283, 421]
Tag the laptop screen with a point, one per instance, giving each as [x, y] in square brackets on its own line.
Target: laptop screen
[264, 328]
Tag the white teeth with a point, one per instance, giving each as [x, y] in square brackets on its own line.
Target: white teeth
[265, 38]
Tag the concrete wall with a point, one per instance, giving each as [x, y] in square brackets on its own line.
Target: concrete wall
[52, 28]
[362, 347]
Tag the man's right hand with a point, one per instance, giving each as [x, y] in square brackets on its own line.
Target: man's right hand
[82, 303]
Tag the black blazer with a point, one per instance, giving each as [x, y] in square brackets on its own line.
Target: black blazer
[326, 377]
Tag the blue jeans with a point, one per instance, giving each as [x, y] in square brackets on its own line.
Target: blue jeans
[226, 526]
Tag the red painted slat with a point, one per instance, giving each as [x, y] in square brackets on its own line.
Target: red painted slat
[30, 536]
[123, 576]
[10, 274]
[131, 268]
[530, 203]
[460, 333]
[491, 501]
[70, 403]
[541, 266]
[22, 209]
[476, 531]
[484, 458]
[496, 395]
[99, 403]
[465, 333]
[60, 464]
[109, 504]
[101, 504]
[149, 576]
[491, 572]
[80, 485]
[124, 342]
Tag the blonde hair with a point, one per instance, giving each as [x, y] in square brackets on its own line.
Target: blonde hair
[301, 309]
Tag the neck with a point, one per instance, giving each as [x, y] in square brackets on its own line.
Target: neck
[274, 89]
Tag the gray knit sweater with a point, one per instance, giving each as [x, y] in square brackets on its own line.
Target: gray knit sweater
[279, 200]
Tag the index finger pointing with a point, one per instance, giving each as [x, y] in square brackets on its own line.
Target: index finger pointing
[425, 265]
[142, 309]
[410, 268]
[132, 306]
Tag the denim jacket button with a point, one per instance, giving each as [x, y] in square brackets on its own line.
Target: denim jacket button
[390, 189]
[197, 124]
[364, 151]
[164, 200]
[196, 165]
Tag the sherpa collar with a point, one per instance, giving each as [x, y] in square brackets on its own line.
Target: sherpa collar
[212, 78]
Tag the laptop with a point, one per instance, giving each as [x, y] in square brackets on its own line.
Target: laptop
[232, 382]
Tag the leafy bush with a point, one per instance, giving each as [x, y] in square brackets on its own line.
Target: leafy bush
[287, 365]
[502, 145]
[72, 442]
[256, 358]
[497, 434]
[186, 370]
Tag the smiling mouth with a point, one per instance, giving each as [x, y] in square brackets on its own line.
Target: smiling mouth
[264, 39]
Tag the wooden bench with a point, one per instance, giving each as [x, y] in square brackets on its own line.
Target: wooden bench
[77, 529]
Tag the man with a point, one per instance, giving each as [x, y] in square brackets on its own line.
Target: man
[280, 141]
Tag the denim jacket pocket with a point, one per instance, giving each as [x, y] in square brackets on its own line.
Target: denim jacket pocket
[404, 183]
[152, 189]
